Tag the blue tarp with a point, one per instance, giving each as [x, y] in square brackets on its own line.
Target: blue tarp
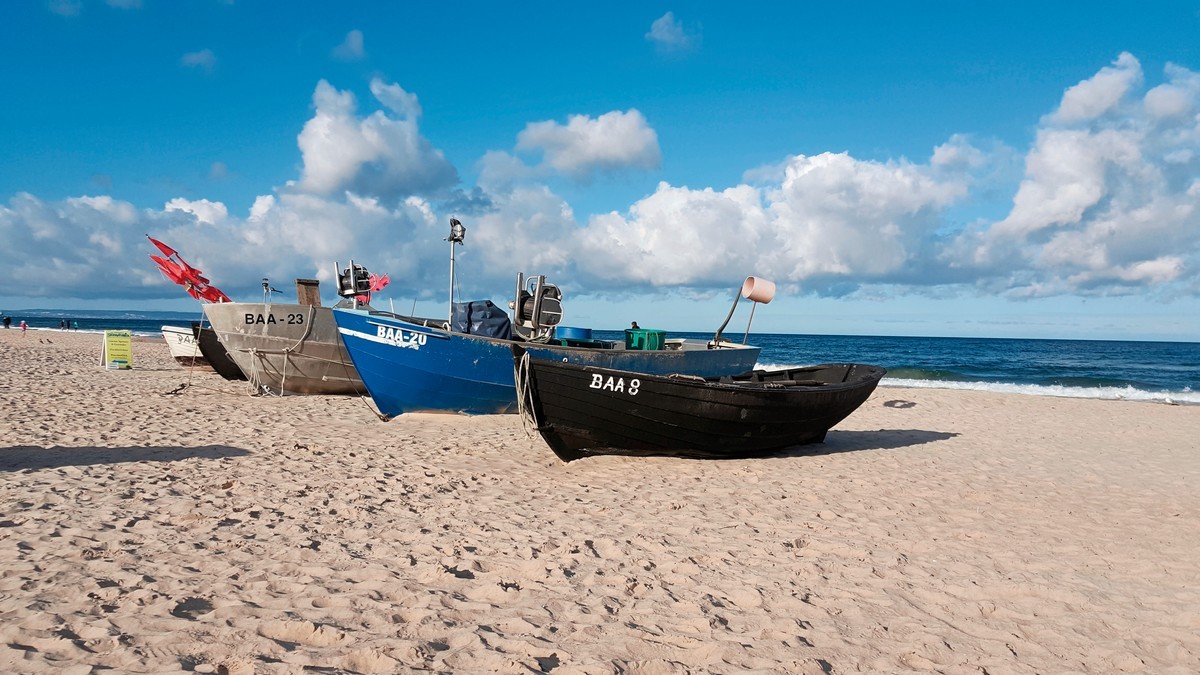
[480, 317]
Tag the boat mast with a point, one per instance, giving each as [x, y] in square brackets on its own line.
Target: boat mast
[457, 233]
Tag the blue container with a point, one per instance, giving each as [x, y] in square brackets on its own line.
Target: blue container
[573, 333]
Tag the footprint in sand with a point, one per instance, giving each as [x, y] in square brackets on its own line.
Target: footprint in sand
[192, 608]
[304, 633]
[899, 404]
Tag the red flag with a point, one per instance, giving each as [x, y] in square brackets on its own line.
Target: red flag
[166, 250]
[214, 294]
[378, 281]
[169, 269]
[175, 268]
[191, 273]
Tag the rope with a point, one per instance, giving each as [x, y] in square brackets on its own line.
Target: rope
[524, 396]
[252, 376]
[287, 360]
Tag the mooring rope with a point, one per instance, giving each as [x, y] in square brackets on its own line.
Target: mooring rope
[524, 396]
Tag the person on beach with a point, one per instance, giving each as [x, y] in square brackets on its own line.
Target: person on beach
[7, 322]
[23, 326]
[634, 326]
[75, 325]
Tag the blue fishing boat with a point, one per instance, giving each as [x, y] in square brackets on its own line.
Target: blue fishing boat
[463, 363]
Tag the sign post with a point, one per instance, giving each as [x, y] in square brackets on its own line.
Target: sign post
[118, 350]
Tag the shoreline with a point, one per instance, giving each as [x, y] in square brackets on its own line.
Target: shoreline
[1107, 392]
[935, 529]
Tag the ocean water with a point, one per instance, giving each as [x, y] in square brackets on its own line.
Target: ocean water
[137, 322]
[1148, 371]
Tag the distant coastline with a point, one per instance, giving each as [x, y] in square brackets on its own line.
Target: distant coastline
[102, 314]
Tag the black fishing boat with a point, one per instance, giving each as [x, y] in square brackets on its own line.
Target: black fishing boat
[215, 352]
[581, 410]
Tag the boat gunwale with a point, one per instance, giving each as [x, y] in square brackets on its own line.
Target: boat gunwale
[446, 334]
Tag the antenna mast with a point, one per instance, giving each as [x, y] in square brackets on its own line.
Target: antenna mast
[457, 233]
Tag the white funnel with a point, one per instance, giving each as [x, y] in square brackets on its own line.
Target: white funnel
[758, 290]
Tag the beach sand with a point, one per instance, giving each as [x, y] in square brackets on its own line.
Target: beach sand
[214, 531]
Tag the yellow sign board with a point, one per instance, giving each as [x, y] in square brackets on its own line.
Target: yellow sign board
[118, 349]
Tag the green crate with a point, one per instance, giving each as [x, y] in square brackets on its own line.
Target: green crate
[645, 338]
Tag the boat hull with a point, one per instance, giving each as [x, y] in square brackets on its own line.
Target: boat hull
[215, 353]
[184, 348]
[408, 367]
[285, 348]
[586, 410]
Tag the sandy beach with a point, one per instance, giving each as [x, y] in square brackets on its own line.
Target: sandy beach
[211, 531]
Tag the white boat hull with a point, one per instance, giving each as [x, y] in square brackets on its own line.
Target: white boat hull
[184, 348]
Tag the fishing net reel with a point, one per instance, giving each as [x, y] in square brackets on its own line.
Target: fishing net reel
[352, 281]
[537, 308]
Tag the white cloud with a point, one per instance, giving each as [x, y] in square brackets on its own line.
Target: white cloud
[205, 211]
[669, 34]
[958, 152]
[72, 247]
[677, 237]
[1097, 95]
[1177, 97]
[395, 98]
[498, 170]
[282, 237]
[111, 209]
[204, 60]
[835, 216]
[615, 140]
[1107, 203]
[828, 219]
[380, 155]
[528, 229]
[351, 48]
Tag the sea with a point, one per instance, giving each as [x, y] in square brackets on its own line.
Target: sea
[1166, 372]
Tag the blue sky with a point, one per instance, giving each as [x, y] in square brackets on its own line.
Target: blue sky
[997, 169]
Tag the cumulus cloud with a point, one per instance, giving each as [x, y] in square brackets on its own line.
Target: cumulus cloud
[1101, 92]
[203, 60]
[669, 34]
[829, 221]
[282, 237]
[830, 217]
[677, 237]
[1110, 198]
[205, 211]
[1108, 202]
[382, 155]
[1177, 97]
[958, 152]
[614, 140]
[70, 247]
[351, 48]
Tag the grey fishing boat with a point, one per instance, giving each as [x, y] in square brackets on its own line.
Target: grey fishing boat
[286, 348]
